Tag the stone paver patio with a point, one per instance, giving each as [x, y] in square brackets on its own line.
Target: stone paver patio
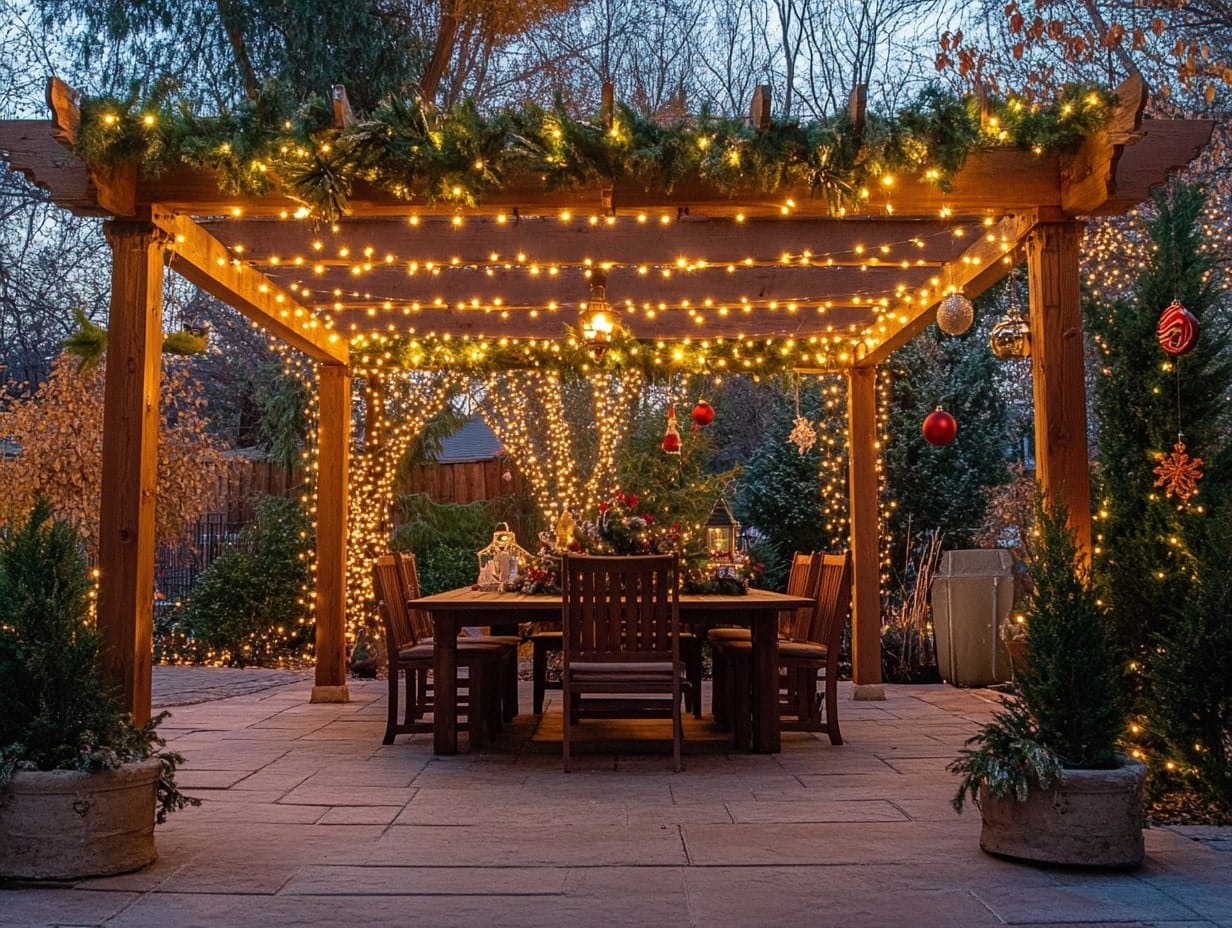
[309, 820]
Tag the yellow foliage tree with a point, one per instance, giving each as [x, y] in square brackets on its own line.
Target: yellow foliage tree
[59, 433]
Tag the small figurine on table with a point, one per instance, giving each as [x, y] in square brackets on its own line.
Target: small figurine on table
[564, 530]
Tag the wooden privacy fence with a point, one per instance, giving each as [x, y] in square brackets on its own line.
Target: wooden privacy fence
[247, 480]
[464, 481]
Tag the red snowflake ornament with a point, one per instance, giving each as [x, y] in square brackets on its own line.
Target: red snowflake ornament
[1178, 473]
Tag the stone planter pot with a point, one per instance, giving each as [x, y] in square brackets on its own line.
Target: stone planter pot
[1093, 818]
[69, 824]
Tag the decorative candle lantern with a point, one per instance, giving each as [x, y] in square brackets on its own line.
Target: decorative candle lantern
[722, 533]
[500, 562]
[597, 322]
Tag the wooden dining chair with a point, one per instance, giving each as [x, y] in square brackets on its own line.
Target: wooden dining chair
[410, 658]
[422, 622]
[808, 655]
[545, 642]
[804, 663]
[620, 621]
[800, 582]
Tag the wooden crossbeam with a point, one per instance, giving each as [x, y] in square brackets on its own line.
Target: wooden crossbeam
[202, 259]
[974, 271]
[463, 286]
[547, 240]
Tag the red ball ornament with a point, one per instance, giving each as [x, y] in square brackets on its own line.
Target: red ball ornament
[703, 413]
[1178, 329]
[940, 427]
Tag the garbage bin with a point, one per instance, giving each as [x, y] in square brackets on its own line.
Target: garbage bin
[972, 596]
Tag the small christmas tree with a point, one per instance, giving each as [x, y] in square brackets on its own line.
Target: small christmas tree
[1069, 711]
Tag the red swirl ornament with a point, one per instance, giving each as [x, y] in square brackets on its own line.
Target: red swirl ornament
[1178, 329]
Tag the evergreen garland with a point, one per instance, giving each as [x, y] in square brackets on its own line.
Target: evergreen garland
[455, 156]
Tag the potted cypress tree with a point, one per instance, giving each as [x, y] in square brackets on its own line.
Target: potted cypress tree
[81, 786]
[1045, 771]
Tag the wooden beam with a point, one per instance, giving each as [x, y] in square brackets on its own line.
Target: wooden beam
[1167, 146]
[1062, 467]
[979, 188]
[130, 462]
[344, 116]
[974, 271]
[333, 441]
[115, 185]
[862, 469]
[547, 241]
[760, 111]
[200, 258]
[715, 286]
[30, 147]
[1118, 166]
[857, 108]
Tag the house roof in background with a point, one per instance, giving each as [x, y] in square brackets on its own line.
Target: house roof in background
[475, 441]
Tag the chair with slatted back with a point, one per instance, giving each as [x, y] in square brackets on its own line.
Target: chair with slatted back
[800, 582]
[409, 574]
[411, 657]
[805, 663]
[620, 621]
[806, 658]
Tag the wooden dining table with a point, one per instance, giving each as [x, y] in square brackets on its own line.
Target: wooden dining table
[757, 610]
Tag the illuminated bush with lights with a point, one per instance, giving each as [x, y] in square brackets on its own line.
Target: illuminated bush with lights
[247, 607]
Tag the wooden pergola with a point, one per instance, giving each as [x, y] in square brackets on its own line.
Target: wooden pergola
[692, 265]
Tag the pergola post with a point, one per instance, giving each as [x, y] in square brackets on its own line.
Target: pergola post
[865, 534]
[1057, 373]
[130, 461]
[333, 439]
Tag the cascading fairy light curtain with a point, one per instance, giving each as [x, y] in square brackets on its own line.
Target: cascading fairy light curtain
[526, 410]
[397, 405]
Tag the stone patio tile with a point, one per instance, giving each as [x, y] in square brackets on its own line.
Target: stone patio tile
[779, 895]
[53, 906]
[237, 794]
[1094, 899]
[794, 844]
[360, 815]
[430, 808]
[311, 795]
[235, 809]
[494, 845]
[193, 779]
[678, 813]
[632, 896]
[427, 881]
[352, 775]
[264, 781]
[814, 810]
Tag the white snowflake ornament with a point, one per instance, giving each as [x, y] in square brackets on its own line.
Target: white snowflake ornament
[803, 435]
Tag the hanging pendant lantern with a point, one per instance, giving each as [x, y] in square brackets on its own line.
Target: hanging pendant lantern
[671, 440]
[1011, 337]
[597, 323]
[955, 314]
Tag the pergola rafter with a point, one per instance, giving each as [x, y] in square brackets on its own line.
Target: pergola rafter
[692, 263]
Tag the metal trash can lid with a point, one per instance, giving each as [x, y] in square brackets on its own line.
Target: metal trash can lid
[976, 562]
